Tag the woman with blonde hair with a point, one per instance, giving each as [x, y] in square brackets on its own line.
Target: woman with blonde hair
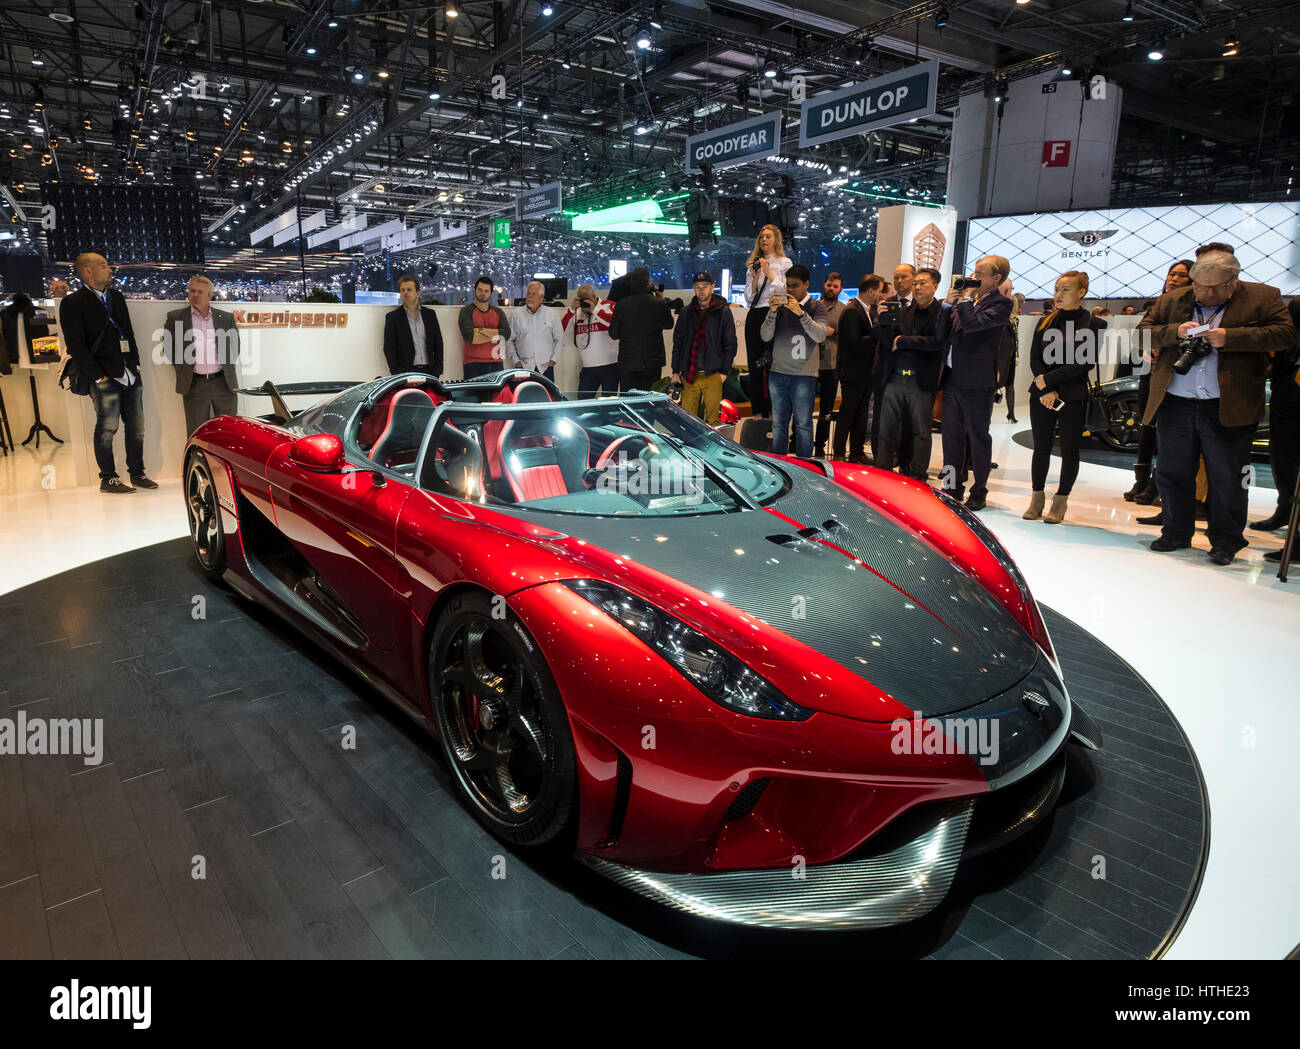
[1061, 356]
[765, 271]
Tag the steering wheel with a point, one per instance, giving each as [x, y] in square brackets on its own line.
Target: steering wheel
[626, 444]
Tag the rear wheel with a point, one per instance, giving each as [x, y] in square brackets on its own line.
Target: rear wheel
[500, 721]
[204, 515]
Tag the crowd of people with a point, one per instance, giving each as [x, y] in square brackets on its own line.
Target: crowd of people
[878, 369]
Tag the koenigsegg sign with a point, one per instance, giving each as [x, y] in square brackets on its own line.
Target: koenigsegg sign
[877, 103]
[737, 143]
[290, 319]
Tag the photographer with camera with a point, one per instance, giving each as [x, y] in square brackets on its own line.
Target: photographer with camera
[1210, 342]
[857, 340]
[765, 271]
[590, 316]
[976, 314]
[638, 325]
[704, 347]
[795, 325]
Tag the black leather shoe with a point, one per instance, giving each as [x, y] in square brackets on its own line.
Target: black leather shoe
[1154, 519]
[141, 481]
[114, 486]
[1273, 555]
[1271, 523]
[976, 502]
[1163, 545]
[1012, 419]
[1221, 555]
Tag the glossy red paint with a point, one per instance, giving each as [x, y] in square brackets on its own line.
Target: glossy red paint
[836, 780]
[394, 552]
[319, 451]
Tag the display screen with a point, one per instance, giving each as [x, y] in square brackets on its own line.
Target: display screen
[125, 223]
[1126, 252]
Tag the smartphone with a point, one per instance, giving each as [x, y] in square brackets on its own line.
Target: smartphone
[1057, 405]
[778, 300]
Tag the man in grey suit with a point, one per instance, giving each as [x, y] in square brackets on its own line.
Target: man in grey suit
[203, 344]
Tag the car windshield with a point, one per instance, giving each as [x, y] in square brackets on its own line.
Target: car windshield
[640, 456]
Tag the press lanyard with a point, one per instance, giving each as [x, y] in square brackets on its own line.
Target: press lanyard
[1214, 317]
[111, 319]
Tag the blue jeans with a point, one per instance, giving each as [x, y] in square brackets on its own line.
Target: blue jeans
[792, 394]
[115, 403]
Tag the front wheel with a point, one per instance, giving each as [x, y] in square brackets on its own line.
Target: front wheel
[500, 721]
[204, 515]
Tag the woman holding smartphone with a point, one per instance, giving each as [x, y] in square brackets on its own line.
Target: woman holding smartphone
[764, 276]
[1062, 353]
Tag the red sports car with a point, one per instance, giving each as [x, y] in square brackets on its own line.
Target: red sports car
[765, 690]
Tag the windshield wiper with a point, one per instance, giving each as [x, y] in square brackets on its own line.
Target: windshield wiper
[687, 452]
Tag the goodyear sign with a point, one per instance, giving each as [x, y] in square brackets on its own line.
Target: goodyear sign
[889, 99]
[739, 143]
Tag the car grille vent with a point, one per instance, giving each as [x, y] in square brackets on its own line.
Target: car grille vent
[743, 804]
[797, 542]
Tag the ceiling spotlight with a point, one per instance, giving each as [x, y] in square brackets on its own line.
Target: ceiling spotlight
[656, 19]
[311, 49]
[435, 92]
[547, 10]
[62, 16]
[1128, 11]
[451, 11]
[1230, 47]
[358, 75]
[383, 74]
[1067, 71]
[1156, 53]
[642, 128]
[941, 18]
[379, 187]
[643, 39]
[769, 69]
[36, 59]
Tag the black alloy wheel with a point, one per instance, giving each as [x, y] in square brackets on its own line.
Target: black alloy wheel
[204, 515]
[1123, 430]
[500, 721]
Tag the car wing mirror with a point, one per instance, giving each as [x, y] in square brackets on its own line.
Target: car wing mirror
[320, 452]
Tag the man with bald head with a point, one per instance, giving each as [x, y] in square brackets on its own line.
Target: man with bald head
[97, 331]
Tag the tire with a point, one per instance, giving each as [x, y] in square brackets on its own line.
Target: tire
[1121, 431]
[501, 724]
[204, 514]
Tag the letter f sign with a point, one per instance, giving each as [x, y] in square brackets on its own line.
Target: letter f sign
[1056, 154]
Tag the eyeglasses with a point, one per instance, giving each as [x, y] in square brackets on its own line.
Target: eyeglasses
[1210, 287]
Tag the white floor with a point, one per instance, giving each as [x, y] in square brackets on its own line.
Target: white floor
[1218, 644]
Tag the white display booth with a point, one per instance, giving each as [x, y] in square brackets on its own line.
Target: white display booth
[283, 342]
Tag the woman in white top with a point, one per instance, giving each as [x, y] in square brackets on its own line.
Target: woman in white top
[764, 274]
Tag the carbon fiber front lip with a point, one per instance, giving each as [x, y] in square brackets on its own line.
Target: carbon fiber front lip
[894, 887]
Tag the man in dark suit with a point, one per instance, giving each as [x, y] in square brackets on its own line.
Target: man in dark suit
[910, 376]
[97, 331]
[203, 343]
[973, 321]
[1212, 407]
[412, 338]
[857, 354]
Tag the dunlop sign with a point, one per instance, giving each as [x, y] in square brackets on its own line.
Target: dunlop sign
[748, 140]
[887, 100]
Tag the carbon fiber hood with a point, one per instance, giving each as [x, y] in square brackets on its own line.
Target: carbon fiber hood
[883, 605]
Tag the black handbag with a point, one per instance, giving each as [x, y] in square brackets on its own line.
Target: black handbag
[71, 378]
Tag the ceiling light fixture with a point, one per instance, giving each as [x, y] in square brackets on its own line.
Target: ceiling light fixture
[643, 39]
[941, 18]
[451, 11]
[1128, 11]
[769, 69]
[547, 10]
[1156, 53]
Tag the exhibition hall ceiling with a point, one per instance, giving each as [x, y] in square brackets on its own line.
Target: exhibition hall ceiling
[411, 110]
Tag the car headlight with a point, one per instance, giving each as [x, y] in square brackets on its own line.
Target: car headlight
[709, 667]
[1034, 623]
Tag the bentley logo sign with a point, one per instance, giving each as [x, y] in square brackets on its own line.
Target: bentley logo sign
[1089, 238]
[1086, 239]
[1035, 703]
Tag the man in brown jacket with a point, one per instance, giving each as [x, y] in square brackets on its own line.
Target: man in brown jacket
[1207, 397]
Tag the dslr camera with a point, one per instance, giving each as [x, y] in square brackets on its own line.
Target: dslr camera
[1192, 349]
[960, 283]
